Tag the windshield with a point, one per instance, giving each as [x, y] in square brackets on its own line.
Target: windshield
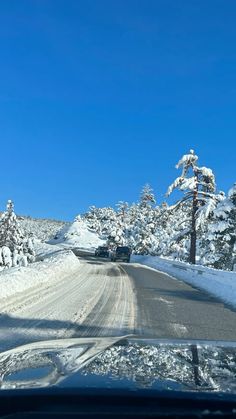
[118, 183]
[122, 249]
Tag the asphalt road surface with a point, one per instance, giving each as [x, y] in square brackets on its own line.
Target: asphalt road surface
[114, 299]
[169, 308]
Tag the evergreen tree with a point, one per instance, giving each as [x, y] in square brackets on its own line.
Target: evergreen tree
[122, 207]
[16, 247]
[168, 230]
[147, 197]
[144, 218]
[11, 234]
[199, 186]
[220, 243]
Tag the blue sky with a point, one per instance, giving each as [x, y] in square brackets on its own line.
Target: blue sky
[98, 97]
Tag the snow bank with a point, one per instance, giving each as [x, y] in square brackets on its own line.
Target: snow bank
[44, 250]
[221, 284]
[54, 268]
[78, 234]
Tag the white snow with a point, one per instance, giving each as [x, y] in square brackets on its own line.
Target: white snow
[218, 227]
[219, 283]
[205, 171]
[78, 235]
[187, 159]
[42, 229]
[188, 184]
[61, 307]
[178, 181]
[43, 250]
[54, 267]
[232, 191]
[204, 211]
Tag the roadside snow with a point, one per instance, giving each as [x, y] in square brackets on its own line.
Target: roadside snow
[43, 250]
[78, 235]
[53, 268]
[221, 284]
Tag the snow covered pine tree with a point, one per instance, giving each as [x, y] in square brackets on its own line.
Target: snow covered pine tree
[220, 243]
[143, 225]
[15, 247]
[200, 188]
[147, 196]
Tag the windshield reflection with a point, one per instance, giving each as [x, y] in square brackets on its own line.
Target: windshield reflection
[184, 366]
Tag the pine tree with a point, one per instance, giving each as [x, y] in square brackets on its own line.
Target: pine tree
[11, 234]
[122, 209]
[15, 246]
[147, 197]
[143, 223]
[220, 242]
[200, 188]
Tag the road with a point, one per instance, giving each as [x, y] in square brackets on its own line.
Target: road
[169, 308]
[110, 299]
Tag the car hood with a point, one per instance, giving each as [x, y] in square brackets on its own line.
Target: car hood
[121, 362]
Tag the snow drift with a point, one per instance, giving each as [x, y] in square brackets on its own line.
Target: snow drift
[78, 234]
[54, 268]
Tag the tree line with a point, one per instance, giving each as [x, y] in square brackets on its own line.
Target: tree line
[199, 228]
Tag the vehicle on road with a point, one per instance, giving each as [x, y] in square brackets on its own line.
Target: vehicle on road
[78, 251]
[122, 253]
[118, 377]
[102, 251]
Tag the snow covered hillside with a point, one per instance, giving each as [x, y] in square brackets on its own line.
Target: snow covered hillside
[42, 228]
[79, 235]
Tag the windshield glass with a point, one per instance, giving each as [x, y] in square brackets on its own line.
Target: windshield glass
[118, 188]
[122, 249]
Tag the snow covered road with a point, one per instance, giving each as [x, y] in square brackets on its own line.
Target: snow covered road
[97, 300]
[100, 298]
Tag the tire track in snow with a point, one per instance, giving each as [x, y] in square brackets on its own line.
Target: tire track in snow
[98, 300]
[113, 315]
[35, 294]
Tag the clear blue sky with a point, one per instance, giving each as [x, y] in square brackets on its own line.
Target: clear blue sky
[98, 97]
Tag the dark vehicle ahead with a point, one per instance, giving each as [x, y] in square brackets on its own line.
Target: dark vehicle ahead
[102, 251]
[121, 253]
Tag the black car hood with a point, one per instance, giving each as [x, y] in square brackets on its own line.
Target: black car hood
[121, 362]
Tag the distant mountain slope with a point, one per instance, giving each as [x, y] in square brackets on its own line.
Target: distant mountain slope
[42, 228]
